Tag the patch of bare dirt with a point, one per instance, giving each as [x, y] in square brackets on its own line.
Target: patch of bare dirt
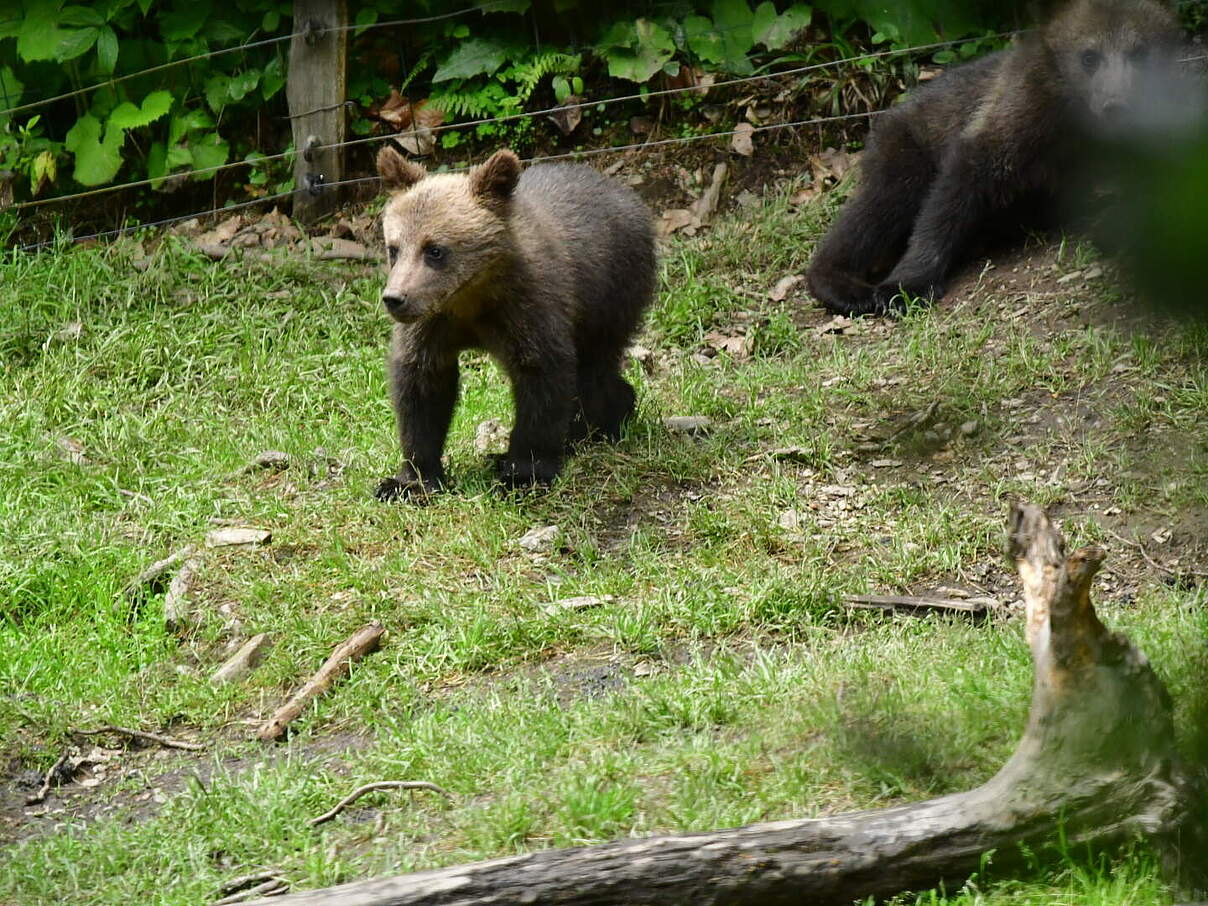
[99, 782]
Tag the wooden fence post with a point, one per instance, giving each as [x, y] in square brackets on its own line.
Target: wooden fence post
[317, 59]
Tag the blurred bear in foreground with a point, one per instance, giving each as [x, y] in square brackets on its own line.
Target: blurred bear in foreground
[988, 147]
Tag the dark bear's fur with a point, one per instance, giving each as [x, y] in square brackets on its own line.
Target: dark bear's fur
[548, 270]
[984, 147]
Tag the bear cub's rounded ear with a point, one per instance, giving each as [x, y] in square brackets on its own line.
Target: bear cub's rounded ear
[396, 171]
[495, 179]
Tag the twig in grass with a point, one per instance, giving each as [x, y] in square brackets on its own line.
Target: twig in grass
[241, 884]
[154, 576]
[915, 420]
[48, 780]
[361, 642]
[1177, 573]
[377, 785]
[272, 887]
[135, 495]
[166, 741]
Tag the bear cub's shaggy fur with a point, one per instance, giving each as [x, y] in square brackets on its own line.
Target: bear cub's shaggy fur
[548, 270]
[986, 147]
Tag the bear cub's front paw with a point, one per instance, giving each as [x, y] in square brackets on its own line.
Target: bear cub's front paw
[411, 488]
[524, 473]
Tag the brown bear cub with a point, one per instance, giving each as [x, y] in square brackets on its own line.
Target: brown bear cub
[548, 270]
[986, 146]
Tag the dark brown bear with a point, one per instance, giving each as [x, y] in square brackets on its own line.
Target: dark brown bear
[548, 270]
[984, 147]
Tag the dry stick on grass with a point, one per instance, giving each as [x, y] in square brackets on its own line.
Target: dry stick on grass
[360, 643]
[166, 741]
[371, 787]
[242, 882]
[1140, 548]
[1096, 764]
[914, 604]
[48, 779]
[270, 888]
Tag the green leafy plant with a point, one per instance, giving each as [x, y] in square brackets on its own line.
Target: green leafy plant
[158, 125]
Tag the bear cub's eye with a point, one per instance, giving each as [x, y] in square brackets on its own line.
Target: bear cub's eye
[435, 255]
[1090, 60]
[392, 254]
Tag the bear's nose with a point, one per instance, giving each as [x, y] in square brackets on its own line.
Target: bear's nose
[1114, 112]
[399, 306]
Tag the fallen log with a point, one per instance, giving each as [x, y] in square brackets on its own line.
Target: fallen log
[918, 605]
[1096, 763]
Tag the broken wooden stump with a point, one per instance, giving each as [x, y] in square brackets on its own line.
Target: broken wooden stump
[1096, 764]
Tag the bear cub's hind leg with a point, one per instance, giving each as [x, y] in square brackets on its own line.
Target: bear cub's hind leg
[544, 400]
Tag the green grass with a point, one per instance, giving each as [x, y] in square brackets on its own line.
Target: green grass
[722, 684]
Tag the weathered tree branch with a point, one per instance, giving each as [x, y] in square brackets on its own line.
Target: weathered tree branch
[356, 646]
[1096, 760]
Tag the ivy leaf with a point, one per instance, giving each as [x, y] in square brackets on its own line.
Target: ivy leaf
[42, 169]
[106, 50]
[365, 18]
[477, 56]
[733, 19]
[775, 31]
[218, 90]
[145, 6]
[185, 123]
[75, 43]
[273, 79]
[222, 32]
[209, 150]
[40, 34]
[184, 23]
[126, 116]
[10, 25]
[80, 16]
[11, 88]
[96, 161]
[157, 163]
[273, 18]
[703, 40]
[178, 157]
[243, 84]
[648, 49]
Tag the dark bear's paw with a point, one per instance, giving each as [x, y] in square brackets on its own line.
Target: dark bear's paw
[414, 489]
[872, 304]
[892, 297]
[528, 472]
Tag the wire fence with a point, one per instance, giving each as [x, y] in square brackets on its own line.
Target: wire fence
[798, 72]
[249, 45]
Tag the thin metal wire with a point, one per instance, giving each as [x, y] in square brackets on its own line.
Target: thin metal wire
[817, 121]
[104, 190]
[569, 155]
[134, 228]
[134, 75]
[603, 102]
[121, 231]
[105, 234]
[483, 7]
[242, 47]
